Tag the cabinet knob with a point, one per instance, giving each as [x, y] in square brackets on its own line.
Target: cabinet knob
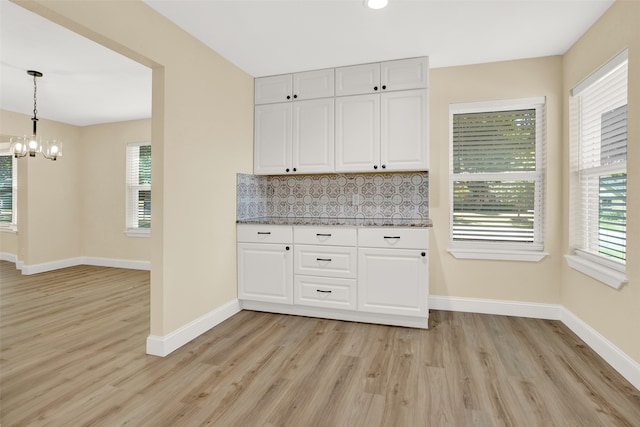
[384, 87]
[375, 166]
[375, 88]
[384, 166]
[294, 169]
[287, 169]
[287, 248]
[423, 253]
[288, 97]
[295, 96]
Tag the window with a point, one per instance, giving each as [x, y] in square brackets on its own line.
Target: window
[138, 189]
[8, 189]
[598, 131]
[496, 181]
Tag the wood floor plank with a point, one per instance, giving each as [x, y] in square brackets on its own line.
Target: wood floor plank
[72, 353]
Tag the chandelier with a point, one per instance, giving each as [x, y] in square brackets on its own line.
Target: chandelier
[21, 146]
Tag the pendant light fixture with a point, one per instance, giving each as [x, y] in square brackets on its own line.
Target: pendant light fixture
[21, 146]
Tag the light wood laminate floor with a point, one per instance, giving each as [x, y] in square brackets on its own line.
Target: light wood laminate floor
[73, 354]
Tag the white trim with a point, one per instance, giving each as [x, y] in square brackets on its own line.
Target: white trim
[619, 360]
[599, 271]
[499, 307]
[498, 105]
[138, 232]
[492, 254]
[337, 314]
[71, 262]
[6, 256]
[118, 263]
[50, 265]
[601, 72]
[164, 345]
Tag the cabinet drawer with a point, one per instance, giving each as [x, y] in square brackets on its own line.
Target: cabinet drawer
[255, 233]
[328, 261]
[325, 236]
[392, 237]
[325, 292]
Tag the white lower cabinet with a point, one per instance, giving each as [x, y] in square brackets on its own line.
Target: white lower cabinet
[392, 281]
[376, 275]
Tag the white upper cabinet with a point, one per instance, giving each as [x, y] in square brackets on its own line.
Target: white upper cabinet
[298, 86]
[404, 131]
[273, 89]
[357, 133]
[402, 74]
[313, 136]
[313, 84]
[272, 151]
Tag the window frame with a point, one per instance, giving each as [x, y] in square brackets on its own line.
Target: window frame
[131, 219]
[506, 251]
[605, 269]
[11, 227]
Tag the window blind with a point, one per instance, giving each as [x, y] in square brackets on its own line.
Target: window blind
[497, 176]
[598, 120]
[8, 187]
[138, 186]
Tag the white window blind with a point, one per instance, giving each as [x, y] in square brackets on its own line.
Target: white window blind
[8, 189]
[497, 162]
[138, 187]
[598, 128]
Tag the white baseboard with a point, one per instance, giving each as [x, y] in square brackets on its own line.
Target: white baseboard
[6, 256]
[71, 262]
[620, 361]
[163, 345]
[118, 263]
[501, 307]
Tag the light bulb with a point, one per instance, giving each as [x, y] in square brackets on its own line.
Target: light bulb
[54, 149]
[18, 146]
[33, 144]
[377, 4]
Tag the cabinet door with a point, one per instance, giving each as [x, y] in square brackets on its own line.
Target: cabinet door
[272, 140]
[404, 130]
[358, 79]
[357, 133]
[265, 272]
[313, 84]
[268, 90]
[404, 74]
[393, 281]
[313, 136]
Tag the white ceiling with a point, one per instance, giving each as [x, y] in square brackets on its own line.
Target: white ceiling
[85, 83]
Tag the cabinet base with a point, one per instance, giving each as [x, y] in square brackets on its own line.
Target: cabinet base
[327, 313]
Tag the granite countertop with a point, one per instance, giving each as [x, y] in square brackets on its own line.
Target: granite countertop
[345, 222]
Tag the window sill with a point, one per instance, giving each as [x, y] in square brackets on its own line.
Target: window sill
[138, 232]
[9, 229]
[498, 255]
[596, 270]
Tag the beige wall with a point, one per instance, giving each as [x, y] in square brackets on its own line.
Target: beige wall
[613, 313]
[48, 204]
[202, 134]
[102, 182]
[505, 280]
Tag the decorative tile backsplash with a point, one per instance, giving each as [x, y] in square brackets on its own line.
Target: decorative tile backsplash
[387, 195]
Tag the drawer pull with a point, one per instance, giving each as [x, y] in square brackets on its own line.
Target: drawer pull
[323, 291]
[323, 259]
[391, 237]
[323, 235]
[264, 232]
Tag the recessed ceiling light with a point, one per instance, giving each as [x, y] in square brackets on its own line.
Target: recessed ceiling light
[377, 4]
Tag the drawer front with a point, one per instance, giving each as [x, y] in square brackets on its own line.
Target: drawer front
[256, 233]
[325, 292]
[392, 237]
[340, 236]
[327, 261]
